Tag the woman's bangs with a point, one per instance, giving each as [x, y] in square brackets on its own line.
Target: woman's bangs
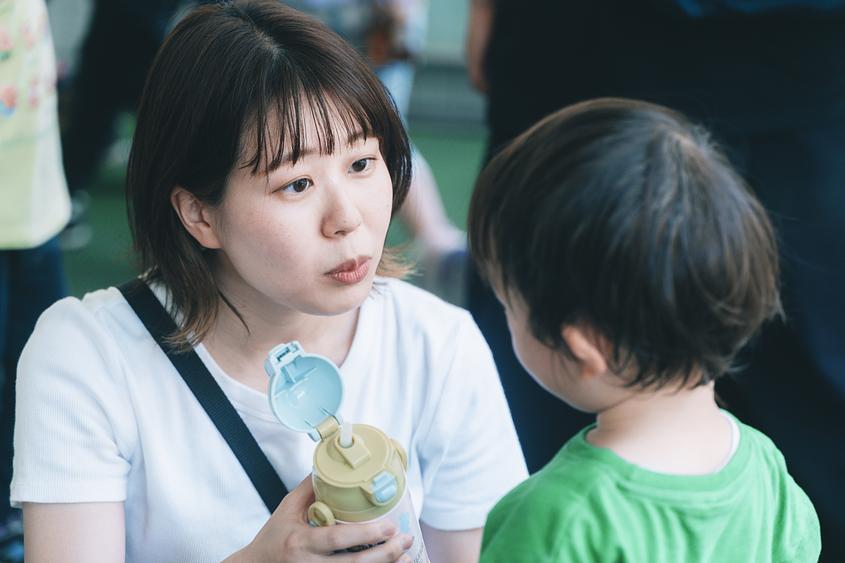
[276, 132]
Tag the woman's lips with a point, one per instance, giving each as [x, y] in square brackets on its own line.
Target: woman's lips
[351, 271]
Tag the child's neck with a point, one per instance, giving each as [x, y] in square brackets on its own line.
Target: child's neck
[667, 431]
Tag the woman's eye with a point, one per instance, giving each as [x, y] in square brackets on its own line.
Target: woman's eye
[361, 164]
[297, 186]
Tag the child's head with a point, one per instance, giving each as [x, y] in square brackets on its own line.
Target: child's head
[622, 242]
[267, 159]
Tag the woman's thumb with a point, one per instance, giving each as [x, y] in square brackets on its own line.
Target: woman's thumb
[301, 497]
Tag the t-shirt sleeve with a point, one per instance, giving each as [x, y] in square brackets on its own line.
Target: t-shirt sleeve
[74, 429]
[548, 524]
[471, 456]
[799, 534]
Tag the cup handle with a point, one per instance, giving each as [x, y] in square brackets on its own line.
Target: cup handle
[319, 514]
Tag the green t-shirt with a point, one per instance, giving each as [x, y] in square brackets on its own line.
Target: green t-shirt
[588, 504]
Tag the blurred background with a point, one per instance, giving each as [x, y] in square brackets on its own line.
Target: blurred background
[445, 120]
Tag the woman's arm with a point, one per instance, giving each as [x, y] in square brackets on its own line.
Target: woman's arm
[89, 532]
[470, 450]
[94, 532]
[463, 546]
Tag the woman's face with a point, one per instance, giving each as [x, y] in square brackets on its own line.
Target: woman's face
[309, 236]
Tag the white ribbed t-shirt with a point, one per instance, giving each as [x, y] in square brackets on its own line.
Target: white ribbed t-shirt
[102, 415]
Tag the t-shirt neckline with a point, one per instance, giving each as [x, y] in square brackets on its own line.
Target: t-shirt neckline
[248, 400]
[636, 476]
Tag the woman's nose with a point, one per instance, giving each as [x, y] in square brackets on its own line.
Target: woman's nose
[342, 215]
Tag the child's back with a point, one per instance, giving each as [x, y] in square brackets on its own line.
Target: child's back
[633, 265]
[588, 504]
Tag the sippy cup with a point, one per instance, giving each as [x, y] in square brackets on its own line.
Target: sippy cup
[359, 472]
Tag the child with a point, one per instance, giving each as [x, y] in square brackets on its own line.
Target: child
[266, 165]
[633, 264]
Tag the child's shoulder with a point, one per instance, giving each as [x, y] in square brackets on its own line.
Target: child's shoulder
[763, 449]
[552, 494]
[768, 465]
[567, 477]
[561, 489]
[557, 511]
[798, 536]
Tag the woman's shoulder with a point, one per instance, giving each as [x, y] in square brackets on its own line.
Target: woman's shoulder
[69, 310]
[72, 388]
[412, 321]
[98, 321]
[417, 306]
[103, 308]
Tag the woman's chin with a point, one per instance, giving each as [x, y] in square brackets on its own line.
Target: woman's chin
[340, 300]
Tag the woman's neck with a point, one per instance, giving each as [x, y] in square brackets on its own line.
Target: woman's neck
[240, 342]
[667, 431]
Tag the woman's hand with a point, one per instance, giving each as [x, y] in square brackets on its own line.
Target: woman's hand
[287, 537]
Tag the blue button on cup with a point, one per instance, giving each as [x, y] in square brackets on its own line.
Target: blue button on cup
[384, 487]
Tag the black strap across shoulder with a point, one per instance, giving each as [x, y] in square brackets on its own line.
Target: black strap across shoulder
[209, 394]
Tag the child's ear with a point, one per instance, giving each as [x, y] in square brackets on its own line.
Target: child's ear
[195, 216]
[587, 349]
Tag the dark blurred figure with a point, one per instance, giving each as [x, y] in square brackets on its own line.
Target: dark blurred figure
[769, 79]
[118, 49]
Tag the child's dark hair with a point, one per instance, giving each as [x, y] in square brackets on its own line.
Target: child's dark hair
[623, 217]
[233, 85]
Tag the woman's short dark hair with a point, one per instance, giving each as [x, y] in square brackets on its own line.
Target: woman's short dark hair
[624, 217]
[228, 76]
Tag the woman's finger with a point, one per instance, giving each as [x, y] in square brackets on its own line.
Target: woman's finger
[392, 551]
[299, 499]
[329, 539]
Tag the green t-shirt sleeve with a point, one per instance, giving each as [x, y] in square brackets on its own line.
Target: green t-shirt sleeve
[798, 532]
[532, 525]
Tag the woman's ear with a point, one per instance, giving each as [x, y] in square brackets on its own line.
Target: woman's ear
[196, 217]
[587, 349]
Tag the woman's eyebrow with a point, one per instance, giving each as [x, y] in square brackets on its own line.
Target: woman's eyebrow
[353, 138]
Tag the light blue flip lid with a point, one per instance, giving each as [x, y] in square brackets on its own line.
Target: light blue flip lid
[305, 389]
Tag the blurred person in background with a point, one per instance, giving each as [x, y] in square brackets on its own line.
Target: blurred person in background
[34, 206]
[122, 38]
[769, 79]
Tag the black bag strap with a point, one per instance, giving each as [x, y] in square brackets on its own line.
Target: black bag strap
[209, 394]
